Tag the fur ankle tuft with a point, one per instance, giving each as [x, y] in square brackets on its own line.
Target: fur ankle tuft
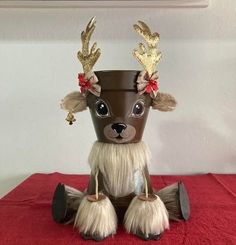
[148, 217]
[96, 218]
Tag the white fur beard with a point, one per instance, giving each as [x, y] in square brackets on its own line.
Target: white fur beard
[120, 164]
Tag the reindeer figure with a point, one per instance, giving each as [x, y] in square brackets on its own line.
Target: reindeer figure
[119, 185]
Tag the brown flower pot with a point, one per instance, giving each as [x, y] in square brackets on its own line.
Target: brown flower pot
[120, 95]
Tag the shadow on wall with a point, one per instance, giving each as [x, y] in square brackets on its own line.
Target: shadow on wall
[200, 148]
[7, 184]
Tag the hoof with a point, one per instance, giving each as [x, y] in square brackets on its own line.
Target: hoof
[92, 237]
[184, 201]
[65, 203]
[148, 237]
[59, 204]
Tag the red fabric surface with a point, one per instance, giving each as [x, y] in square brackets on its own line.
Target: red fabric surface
[25, 213]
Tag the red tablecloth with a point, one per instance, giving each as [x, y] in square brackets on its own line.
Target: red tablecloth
[25, 213]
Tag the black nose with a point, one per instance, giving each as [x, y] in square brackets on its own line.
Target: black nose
[118, 127]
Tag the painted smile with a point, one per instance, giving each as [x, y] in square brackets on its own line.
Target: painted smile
[119, 137]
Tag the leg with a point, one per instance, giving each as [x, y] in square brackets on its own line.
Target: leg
[175, 198]
[146, 217]
[66, 200]
[65, 203]
[96, 217]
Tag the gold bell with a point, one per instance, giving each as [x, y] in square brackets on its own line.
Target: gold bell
[70, 118]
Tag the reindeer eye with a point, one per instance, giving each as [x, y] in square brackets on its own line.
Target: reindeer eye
[102, 109]
[138, 109]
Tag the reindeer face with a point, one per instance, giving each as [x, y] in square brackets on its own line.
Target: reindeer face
[119, 116]
[120, 113]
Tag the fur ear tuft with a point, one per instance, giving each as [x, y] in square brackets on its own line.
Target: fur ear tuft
[164, 102]
[74, 102]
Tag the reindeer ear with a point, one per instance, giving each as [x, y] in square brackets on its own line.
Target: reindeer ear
[164, 102]
[74, 102]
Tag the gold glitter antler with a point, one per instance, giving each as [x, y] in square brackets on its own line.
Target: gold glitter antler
[148, 56]
[88, 57]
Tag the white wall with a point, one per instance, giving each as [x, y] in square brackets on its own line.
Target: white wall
[38, 66]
